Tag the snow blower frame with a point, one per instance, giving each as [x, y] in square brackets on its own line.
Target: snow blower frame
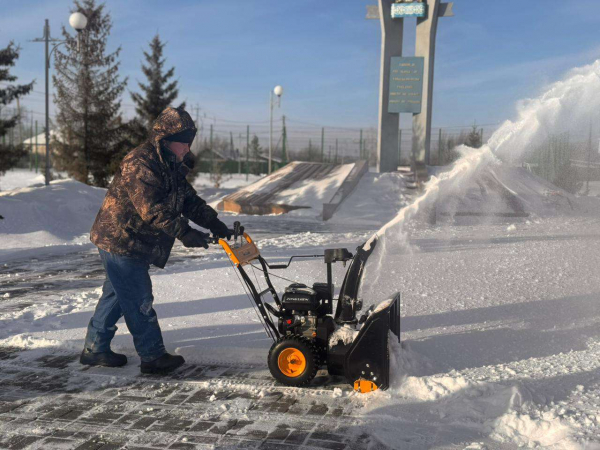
[306, 323]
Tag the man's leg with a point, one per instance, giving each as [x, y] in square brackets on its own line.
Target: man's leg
[101, 329]
[131, 282]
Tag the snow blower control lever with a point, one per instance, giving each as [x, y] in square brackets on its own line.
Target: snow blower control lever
[306, 333]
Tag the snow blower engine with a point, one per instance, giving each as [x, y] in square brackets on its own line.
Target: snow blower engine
[306, 334]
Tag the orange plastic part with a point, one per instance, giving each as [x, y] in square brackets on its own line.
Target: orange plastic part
[241, 255]
[291, 362]
[364, 386]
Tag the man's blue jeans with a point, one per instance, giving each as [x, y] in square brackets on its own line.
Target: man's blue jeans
[127, 291]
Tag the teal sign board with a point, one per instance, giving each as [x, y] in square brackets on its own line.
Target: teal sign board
[400, 10]
[406, 84]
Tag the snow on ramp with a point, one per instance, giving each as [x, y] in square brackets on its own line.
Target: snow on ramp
[60, 214]
[300, 189]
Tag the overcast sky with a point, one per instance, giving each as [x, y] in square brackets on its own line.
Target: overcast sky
[229, 54]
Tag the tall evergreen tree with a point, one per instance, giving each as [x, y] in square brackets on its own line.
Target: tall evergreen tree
[159, 92]
[88, 90]
[10, 154]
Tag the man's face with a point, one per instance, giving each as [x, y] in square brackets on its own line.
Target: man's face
[179, 149]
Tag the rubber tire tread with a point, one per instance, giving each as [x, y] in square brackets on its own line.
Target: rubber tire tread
[307, 347]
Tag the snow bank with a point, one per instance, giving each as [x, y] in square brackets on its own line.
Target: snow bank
[376, 200]
[506, 412]
[57, 215]
[20, 178]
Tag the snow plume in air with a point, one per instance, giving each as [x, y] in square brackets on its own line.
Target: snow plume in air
[566, 105]
[378, 281]
[569, 105]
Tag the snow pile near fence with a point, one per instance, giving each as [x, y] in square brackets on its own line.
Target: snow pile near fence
[48, 216]
[20, 178]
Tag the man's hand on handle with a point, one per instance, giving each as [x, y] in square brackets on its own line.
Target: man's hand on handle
[219, 229]
[195, 238]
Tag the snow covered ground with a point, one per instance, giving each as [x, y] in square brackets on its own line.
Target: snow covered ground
[57, 219]
[19, 178]
[501, 322]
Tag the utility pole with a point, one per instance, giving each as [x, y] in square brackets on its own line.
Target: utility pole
[336, 150]
[284, 157]
[46, 39]
[78, 21]
[589, 163]
[47, 129]
[36, 147]
[360, 145]
[247, 150]
[211, 142]
[20, 121]
[440, 147]
[270, 132]
[239, 154]
[196, 109]
[322, 143]
[31, 144]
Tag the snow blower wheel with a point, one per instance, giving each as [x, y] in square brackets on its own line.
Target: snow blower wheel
[293, 361]
[302, 322]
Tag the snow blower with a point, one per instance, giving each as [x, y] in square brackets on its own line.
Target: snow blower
[305, 338]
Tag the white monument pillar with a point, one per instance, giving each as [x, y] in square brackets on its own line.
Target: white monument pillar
[425, 47]
[391, 45]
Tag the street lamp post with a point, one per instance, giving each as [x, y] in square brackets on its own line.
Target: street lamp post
[78, 21]
[278, 91]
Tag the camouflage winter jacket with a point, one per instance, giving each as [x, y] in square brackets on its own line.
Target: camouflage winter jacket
[149, 201]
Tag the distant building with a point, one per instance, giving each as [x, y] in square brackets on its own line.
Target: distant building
[38, 143]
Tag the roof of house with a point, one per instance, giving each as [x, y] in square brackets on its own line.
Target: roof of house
[41, 138]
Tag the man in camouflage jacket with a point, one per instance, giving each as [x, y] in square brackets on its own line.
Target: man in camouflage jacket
[147, 207]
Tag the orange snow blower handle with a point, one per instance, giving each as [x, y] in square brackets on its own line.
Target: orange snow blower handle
[243, 254]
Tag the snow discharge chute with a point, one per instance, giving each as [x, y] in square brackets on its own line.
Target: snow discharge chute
[306, 334]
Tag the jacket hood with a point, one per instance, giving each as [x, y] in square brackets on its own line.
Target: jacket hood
[169, 122]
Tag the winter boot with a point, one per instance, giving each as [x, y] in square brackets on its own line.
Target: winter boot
[166, 363]
[106, 359]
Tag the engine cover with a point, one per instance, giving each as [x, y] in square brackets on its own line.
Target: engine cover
[299, 297]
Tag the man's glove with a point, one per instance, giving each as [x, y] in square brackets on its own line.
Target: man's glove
[219, 229]
[194, 238]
